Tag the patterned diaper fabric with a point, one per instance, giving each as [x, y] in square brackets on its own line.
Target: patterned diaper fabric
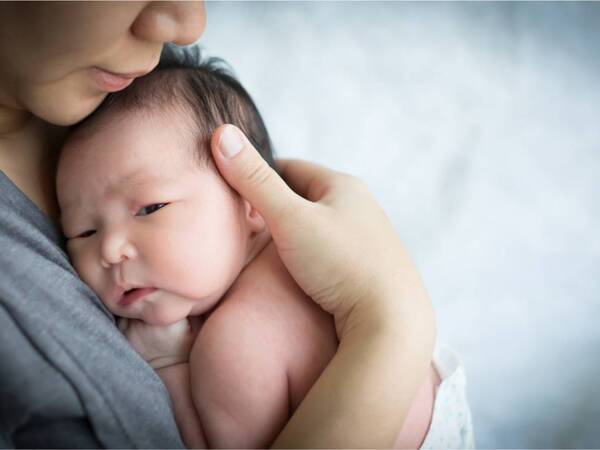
[451, 425]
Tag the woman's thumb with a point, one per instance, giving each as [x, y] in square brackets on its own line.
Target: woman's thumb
[249, 174]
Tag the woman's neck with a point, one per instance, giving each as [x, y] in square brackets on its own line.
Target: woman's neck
[28, 156]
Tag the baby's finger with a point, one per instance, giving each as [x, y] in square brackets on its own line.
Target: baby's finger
[249, 174]
[122, 324]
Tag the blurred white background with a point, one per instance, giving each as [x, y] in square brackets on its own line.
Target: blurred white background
[477, 127]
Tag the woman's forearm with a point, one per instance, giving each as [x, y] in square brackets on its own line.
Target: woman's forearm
[364, 395]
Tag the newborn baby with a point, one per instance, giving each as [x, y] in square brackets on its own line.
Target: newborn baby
[156, 232]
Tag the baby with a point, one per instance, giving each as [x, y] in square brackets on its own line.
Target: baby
[156, 232]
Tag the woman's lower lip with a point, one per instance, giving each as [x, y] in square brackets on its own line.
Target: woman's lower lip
[107, 81]
[134, 295]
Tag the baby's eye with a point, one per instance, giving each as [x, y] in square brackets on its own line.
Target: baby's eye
[86, 234]
[150, 209]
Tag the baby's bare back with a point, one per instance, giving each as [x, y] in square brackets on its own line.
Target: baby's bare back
[257, 355]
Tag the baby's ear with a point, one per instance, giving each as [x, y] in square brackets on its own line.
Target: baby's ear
[254, 219]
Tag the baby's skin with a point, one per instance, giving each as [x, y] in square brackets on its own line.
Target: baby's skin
[162, 238]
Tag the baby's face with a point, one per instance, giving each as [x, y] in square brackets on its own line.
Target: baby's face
[155, 236]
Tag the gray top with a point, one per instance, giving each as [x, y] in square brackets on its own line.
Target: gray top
[67, 376]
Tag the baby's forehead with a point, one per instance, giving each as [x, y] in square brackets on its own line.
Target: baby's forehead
[142, 135]
[122, 154]
[134, 183]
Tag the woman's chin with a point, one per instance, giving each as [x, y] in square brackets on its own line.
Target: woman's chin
[69, 110]
[78, 113]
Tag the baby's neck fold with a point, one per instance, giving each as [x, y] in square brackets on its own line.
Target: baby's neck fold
[257, 244]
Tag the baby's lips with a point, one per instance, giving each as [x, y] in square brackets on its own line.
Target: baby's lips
[134, 295]
[115, 296]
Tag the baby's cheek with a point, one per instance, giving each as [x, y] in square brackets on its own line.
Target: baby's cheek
[77, 260]
[84, 264]
[175, 247]
[191, 267]
[197, 253]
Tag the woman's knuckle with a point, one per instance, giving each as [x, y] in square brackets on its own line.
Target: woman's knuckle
[258, 175]
[354, 183]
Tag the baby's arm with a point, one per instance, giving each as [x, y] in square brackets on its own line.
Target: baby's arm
[177, 380]
[239, 380]
[167, 349]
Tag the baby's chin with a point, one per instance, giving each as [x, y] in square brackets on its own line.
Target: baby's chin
[158, 314]
[163, 311]
[164, 316]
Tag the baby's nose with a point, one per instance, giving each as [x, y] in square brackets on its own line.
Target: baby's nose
[116, 248]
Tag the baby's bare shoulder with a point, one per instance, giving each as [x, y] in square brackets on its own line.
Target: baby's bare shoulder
[265, 309]
[268, 327]
[257, 310]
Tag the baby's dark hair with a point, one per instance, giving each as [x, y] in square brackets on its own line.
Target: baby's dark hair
[204, 88]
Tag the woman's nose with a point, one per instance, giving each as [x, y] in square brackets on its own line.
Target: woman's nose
[115, 248]
[179, 22]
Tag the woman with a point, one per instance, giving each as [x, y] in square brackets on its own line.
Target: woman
[68, 378]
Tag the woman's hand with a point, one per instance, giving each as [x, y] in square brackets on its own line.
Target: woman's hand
[341, 249]
[161, 346]
[330, 233]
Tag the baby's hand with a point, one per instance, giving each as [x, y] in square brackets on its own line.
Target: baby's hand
[161, 346]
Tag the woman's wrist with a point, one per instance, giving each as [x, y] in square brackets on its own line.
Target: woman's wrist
[397, 306]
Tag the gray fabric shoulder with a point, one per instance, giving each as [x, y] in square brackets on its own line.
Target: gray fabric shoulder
[64, 365]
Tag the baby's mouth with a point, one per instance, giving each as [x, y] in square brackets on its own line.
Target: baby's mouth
[133, 295]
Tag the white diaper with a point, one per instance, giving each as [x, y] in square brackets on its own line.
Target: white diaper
[451, 424]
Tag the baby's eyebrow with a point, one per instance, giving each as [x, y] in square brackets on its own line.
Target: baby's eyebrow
[69, 205]
[134, 179]
[70, 215]
[139, 177]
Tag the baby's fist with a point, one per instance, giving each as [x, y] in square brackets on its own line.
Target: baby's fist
[159, 345]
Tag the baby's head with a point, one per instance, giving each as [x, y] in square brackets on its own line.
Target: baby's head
[151, 225]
